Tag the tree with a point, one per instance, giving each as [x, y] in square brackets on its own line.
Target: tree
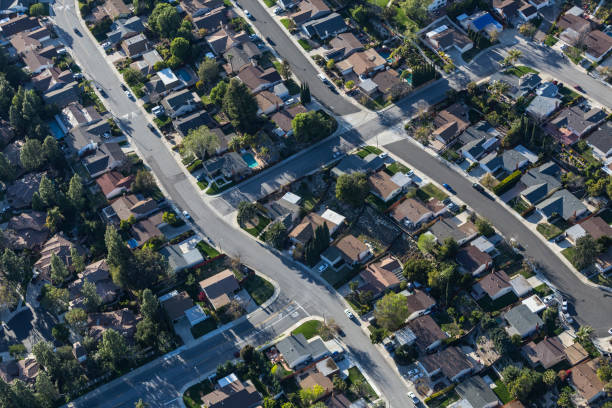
[489, 181]
[76, 192]
[46, 191]
[46, 392]
[54, 219]
[240, 106]
[218, 93]
[391, 311]
[112, 349]
[146, 332]
[549, 378]
[417, 269]
[310, 395]
[208, 71]
[13, 268]
[180, 48]
[144, 183]
[6, 94]
[76, 319]
[584, 333]
[246, 212]
[165, 20]
[56, 299]
[328, 329]
[201, 141]
[285, 70]
[90, 296]
[24, 397]
[59, 272]
[149, 307]
[527, 30]
[359, 387]
[565, 398]
[143, 6]
[311, 126]
[30, 156]
[7, 171]
[426, 243]
[484, 227]
[405, 354]
[118, 254]
[305, 94]
[330, 64]
[352, 188]
[422, 134]
[501, 341]
[51, 151]
[549, 316]
[585, 252]
[77, 260]
[276, 235]
[512, 57]
[146, 266]
[448, 250]
[60, 333]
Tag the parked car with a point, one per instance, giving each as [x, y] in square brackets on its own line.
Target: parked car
[449, 188]
[610, 331]
[349, 314]
[269, 40]
[413, 397]
[322, 267]
[128, 94]
[478, 187]
[278, 11]
[383, 155]
[123, 87]
[564, 304]
[77, 32]
[323, 79]
[249, 15]
[158, 110]
[568, 318]
[186, 215]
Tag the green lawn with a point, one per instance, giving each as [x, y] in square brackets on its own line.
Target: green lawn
[305, 44]
[519, 205]
[207, 250]
[270, 3]
[502, 392]
[262, 222]
[568, 95]
[309, 329]
[444, 400]
[520, 70]
[215, 189]
[193, 396]
[548, 230]
[286, 22]
[397, 167]
[570, 254]
[489, 305]
[202, 184]
[259, 288]
[368, 150]
[340, 277]
[355, 375]
[542, 290]
[203, 327]
[379, 3]
[433, 191]
[573, 53]
[550, 40]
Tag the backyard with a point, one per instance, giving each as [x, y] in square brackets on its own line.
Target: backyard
[193, 396]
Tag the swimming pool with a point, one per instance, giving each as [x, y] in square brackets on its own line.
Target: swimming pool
[250, 160]
[55, 130]
[184, 75]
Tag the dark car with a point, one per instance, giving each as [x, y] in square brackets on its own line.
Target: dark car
[579, 88]
[77, 32]
[449, 188]
[478, 187]
[269, 40]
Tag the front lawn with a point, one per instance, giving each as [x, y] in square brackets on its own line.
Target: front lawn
[568, 95]
[550, 40]
[270, 3]
[542, 290]
[519, 205]
[502, 392]
[203, 327]
[548, 230]
[215, 189]
[340, 277]
[262, 222]
[309, 329]
[368, 150]
[259, 288]
[305, 44]
[207, 250]
[286, 22]
[397, 167]
[354, 375]
[570, 254]
[433, 191]
[520, 70]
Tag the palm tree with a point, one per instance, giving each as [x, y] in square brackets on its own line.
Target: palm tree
[584, 333]
[498, 88]
[513, 56]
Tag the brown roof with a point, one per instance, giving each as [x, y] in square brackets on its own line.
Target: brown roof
[451, 361]
[576, 353]
[576, 23]
[450, 37]
[435, 205]
[116, 8]
[29, 40]
[304, 231]
[345, 42]
[147, 228]
[311, 378]
[97, 273]
[338, 400]
[380, 276]
[451, 121]
[362, 62]
[59, 246]
[494, 282]
[426, 331]
[266, 100]
[548, 352]
[350, 248]
[596, 227]
[28, 230]
[223, 40]
[28, 369]
[385, 80]
[218, 288]
[419, 301]
[123, 321]
[411, 209]
[194, 6]
[176, 305]
[254, 77]
[215, 19]
[18, 24]
[113, 180]
[307, 9]
[135, 45]
[129, 205]
[471, 258]
[597, 43]
[585, 379]
[234, 395]
[382, 185]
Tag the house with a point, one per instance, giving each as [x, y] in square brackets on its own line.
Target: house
[547, 353]
[575, 354]
[349, 249]
[449, 363]
[194, 120]
[601, 141]
[506, 9]
[547, 89]
[56, 245]
[116, 9]
[477, 393]
[509, 161]
[27, 230]
[305, 230]
[169, 79]
[19, 193]
[240, 56]
[75, 114]
[31, 40]
[79, 352]
[411, 212]
[224, 40]
[362, 63]
[596, 227]
[62, 96]
[561, 203]
[534, 303]
[472, 260]
[352, 163]
[267, 102]
[573, 123]
[147, 66]
[522, 321]
[389, 84]
[523, 86]
[180, 103]
[450, 123]
[520, 286]
[124, 28]
[574, 28]
[495, 285]
[38, 60]
[603, 262]
[332, 216]
[381, 276]
[51, 79]
[539, 3]
[183, 255]
[284, 211]
[311, 378]
[527, 12]
[196, 8]
[233, 393]
[175, 304]
[446, 37]
[296, 350]
[258, 79]
[84, 140]
[214, 19]
[325, 27]
[17, 25]
[145, 230]
[218, 288]
[540, 182]
[542, 107]
[98, 274]
[383, 187]
[478, 140]
[122, 321]
[460, 231]
[419, 304]
[284, 118]
[231, 166]
[586, 382]
[114, 183]
[343, 46]
[131, 205]
[598, 45]
[481, 21]
[107, 157]
[428, 334]
[135, 46]
[327, 367]
[309, 10]
[25, 370]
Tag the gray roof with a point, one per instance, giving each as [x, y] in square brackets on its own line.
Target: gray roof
[542, 106]
[477, 392]
[282, 209]
[230, 161]
[294, 347]
[522, 319]
[548, 89]
[529, 81]
[354, 164]
[193, 121]
[123, 27]
[563, 203]
[445, 228]
[326, 26]
[541, 182]
[577, 120]
[602, 137]
[101, 160]
[175, 100]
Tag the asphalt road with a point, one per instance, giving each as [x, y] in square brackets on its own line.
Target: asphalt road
[159, 383]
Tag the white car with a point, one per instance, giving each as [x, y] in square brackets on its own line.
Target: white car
[349, 314]
[322, 267]
[610, 331]
[383, 155]
[413, 397]
[186, 214]
[128, 94]
[249, 15]
[564, 305]
[568, 318]
[278, 10]
[413, 372]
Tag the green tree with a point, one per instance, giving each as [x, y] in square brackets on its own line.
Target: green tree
[54, 219]
[585, 252]
[144, 183]
[59, 272]
[143, 6]
[501, 341]
[24, 396]
[147, 266]
[565, 398]
[484, 227]
[201, 141]
[76, 319]
[310, 395]
[391, 311]
[165, 20]
[360, 14]
[51, 151]
[92, 299]
[218, 93]
[46, 392]
[330, 64]
[46, 191]
[311, 126]
[439, 280]
[76, 192]
[112, 349]
[56, 298]
[149, 307]
[549, 378]
[13, 268]
[140, 404]
[405, 354]
[30, 156]
[6, 94]
[146, 332]
[449, 249]
[417, 269]
[180, 48]
[305, 94]
[426, 243]
[133, 77]
[246, 212]
[208, 71]
[60, 333]
[352, 188]
[240, 106]
[276, 235]
[7, 171]
[77, 261]
[285, 70]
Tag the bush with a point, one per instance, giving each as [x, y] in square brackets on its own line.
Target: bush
[507, 183]
[194, 166]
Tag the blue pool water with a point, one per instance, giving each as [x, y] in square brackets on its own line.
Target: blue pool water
[55, 130]
[250, 160]
[385, 53]
[184, 75]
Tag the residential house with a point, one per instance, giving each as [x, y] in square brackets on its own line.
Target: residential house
[114, 183]
[56, 245]
[84, 140]
[509, 161]
[520, 285]
[428, 334]
[450, 363]
[450, 123]
[460, 231]
[481, 21]
[542, 107]
[240, 56]
[506, 9]
[267, 102]
[477, 393]
[305, 230]
[79, 352]
[19, 193]
[296, 350]
[225, 139]
[573, 123]
[585, 380]
[38, 60]
[180, 103]
[107, 157]
[522, 321]
[419, 304]
[145, 230]
[62, 96]
[27, 230]
[327, 367]
[603, 262]
[446, 37]
[122, 321]
[196, 8]
[284, 211]
[352, 163]
[224, 40]
[233, 393]
[116, 9]
[478, 140]
[284, 118]
[389, 84]
[539, 4]
[333, 217]
[575, 354]
[231, 166]
[131, 205]
[75, 114]
[135, 46]
[349, 249]
[31, 40]
[314, 378]
[522, 86]
[362, 63]
[25, 370]
[98, 274]
[495, 285]
[383, 187]
[598, 45]
[193, 120]
[561, 203]
[183, 255]
[343, 46]
[473, 261]
[600, 141]
[381, 276]
[124, 28]
[175, 304]
[325, 27]
[147, 64]
[310, 10]
[19, 24]
[574, 28]
[540, 182]
[596, 227]
[218, 288]
[169, 79]
[12, 153]
[547, 353]
[527, 12]
[258, 79]
[411, 212]
[214, 19]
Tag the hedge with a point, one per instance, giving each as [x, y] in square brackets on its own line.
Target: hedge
[194, 166]
[507, 183]
[439, 393]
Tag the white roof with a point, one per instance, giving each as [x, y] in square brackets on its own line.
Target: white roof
[195, 315]
[167, 76]
[333, 216]
[401, 179]
[292, 198]
[167, 296]
[520, 286]
[575, 11]
[193, 257]
[405, 336]
[534, 303]
[189, 244]
[227, 380]
[483, 244]
[532, 157]
[368, 85]
[575, 232]
[438, 30]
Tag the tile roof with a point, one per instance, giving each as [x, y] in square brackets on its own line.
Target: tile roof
[596, 227]
[522, 319]
[175, 306]
[122, 321]
[563, 203]
[477, 393]
[382, 275]
[304, 231]
[255, 77]
[362, 62]
[237, 394]
[59, 246]
[112, 180]
[27, 230]
[130, 205]
[451, 121]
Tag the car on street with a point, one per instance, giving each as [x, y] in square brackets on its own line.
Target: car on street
[568, 318]
[478, 187]
[342, 334]
[349, 314]
[186, 215]
[564, 304]
[151, 127]
[579, 88]
[610, 331]
[249, 15]
[269, 40]
[128, 94]
[449, 188]
[323, 79]
[322, 267]
[77, 32]
[158, 110]
[413, 397]
[278, 11]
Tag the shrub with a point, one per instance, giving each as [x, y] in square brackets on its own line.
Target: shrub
[507, 183]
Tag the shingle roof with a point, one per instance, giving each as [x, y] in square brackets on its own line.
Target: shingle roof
[471, 258]
[522, 319]
[548, 352]
[493, 282]
[218, 287]
[477, 392]
[563, 203]
[426, 330]
[451, 361]
[293, 347]
[602, 137]
[419, 301]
